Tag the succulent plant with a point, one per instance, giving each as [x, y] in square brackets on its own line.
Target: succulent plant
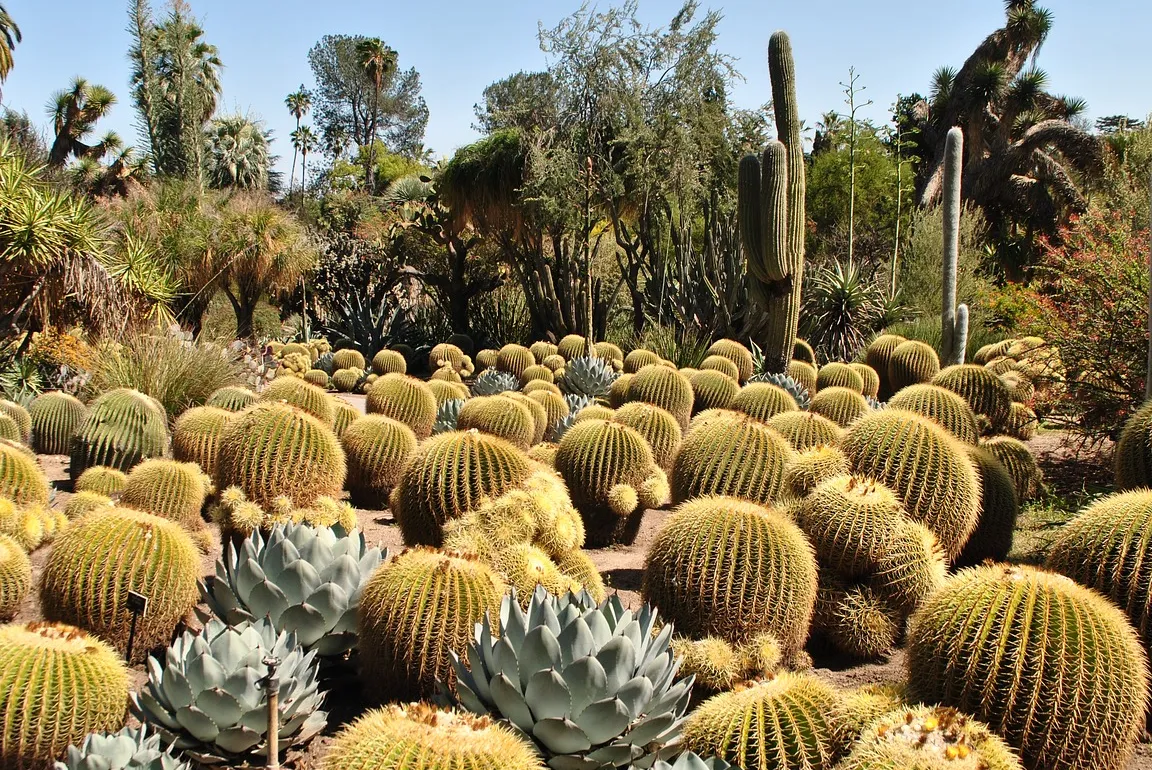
[196, 436]
[658, 427]
[863, 626]
[810, 467]
[842, 406]
[541, 349]
[572, 346]
[347, 380]
[501, 417]
[690, 761]
[30, 525]
[1022, 422]
[762, 401]
[59, 684]
[232, 398]
[102, 479]
[450, 355]
[613, 478]
[9, 430]
[239, 517]
[666, 388]
[169, 489]
[389, 362]
[951, 411]
[870, 377]
[491, 382]
[799, 371]
[405, 399]
[911, 363]
[100, 559]
[720, 364]
[1021, 465]
[731, 455]
[710, 390]
[346, 414]
[839, 375]
[639, 358]
[208, 696]
[804, 430]
[306, 580]
[929, 738]
[122, 428]
[20, 416]
[417, 736]
[449, 475]
[300, 394]
[55, 417]
[83, 503]
[592, 685]
[446, 416]
[514, 359]
[1072, 673]
[132, 748]
[737, 354]
[850, 521]
[924, 465]
[733, 569]
[878, 354]
[348, 358]
[15, 577]
[999, 507]
[21, 479]
[787, 721]
[377, 450]
[585, 376]
[718, 666]
[794, 388]
[317, 377]
[447, 391]
[415, 612]
[273, 449]
[986, 393]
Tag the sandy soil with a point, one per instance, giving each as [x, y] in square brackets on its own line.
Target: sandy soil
[1065, 470]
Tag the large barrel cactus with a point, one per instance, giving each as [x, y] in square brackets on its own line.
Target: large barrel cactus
[720, 364]
[405, 399]
[273, 449]
[788, 721]
[56, 416]
[59, 684]
[999, 507]
[729, 568]
[870, 377]
[762, 401]
[878, 354]
[197, 434]
[910, 363]
[1051, 666]
[1133, 458]
[15, 577]
[377, 449]
[514, 359]
[850, 521]
[169, 489]
[941, 405]
[731, 455]
[300, 394]
[666, 388]
[710, 390]
[416, 611]
[842, 406]
[811, 467]
[738, 354]
[101, 480]
[593, 686]
[101, 558]
[805, 430]
[639, 358]
[232, 398]
[658, 427]
[449, 475]
[123, 427]
[986, 393]
[924, 465]
[835, 374]
[208, 698]
[306, 580]
[501, 417]
[389, 362]
[417, 736]
[21, 479]
[613, 478]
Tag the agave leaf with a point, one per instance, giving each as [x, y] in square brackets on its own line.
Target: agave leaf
[238, 739]
[221, 707]
[539, 652]
[619, 660]
[603, 720]
[561, 736]
[197, 723]
[586, 679]
[511, 703]
[548, 696]
[306, 621]
[635, 695]
[576, 641]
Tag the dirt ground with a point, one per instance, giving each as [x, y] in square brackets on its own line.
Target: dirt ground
[1068, 472]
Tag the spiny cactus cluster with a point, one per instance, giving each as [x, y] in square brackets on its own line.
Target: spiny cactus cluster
[122, 428]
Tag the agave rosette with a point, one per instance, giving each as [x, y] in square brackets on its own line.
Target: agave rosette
[132, 748]
[591, 377]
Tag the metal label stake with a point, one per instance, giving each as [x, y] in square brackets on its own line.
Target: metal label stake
[272, 683]
[137, 604]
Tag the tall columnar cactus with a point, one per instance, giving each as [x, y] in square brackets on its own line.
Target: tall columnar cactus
[422, 737]
[56, 416]
[15, 577]
[377, 450]
[771, 213]
[732, 455]
[418, 610]
[733, 569]
[953, 169]
[613, 478]
[929, 738]
[122, 428]
[169, 489]
[197, 434]
[951, 411]
[273, 449]
[59, 684]
[101, 558]
[21, 479]
[405, 399]
[788, 721]
[1053, 667]
[449, 475]
[924, 465]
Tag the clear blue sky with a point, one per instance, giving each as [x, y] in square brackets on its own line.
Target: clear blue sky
[1097, 50]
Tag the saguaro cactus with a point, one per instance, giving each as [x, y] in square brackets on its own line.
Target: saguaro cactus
[954, 328]
[771, 214]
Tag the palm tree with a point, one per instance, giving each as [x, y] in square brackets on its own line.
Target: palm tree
[335, 140]
[9, 37]
[304, 141]
[237, 153]
[74, 114]
[298, 104]
[379, 62]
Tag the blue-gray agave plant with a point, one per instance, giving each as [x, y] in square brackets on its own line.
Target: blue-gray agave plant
[208, 698]
[490, 382]
[591, 685]
[446, 415]
[794, 388]
[690, 761]
[133, 748]
[591, 377]
[306, 580]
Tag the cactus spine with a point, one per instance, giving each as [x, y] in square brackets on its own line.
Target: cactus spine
[771, 213]
[953, 159]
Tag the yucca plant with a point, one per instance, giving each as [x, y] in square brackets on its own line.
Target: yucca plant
[842, 309]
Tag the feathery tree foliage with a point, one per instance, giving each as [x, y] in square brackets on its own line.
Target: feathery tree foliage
[9, 37]
[237, 153]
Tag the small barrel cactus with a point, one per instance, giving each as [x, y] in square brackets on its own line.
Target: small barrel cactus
[536, 373]
[842, 406]
[448, 391]
[811, 467]
[986, 393]
[666, 388]
[232, 398]
[732, 455]
[658, 427]
[805, 430]
[197, 434]
[273, 449]
[15, 577]
[447, 354]
[208, 699]
[317, 377]
[720, 364]
[850, 521]
[422, 737]
[1074, 672]
[1022, 422]
[762, 401]
[737, 354]
[514, 359]
[301, 395]
[9, 430]
[405, 399]
[639, 358]
[929, 738]
[789, 720]
[102, 479]
[870, 377]
[83, 503]
[415, 612]
[999, 507]
[56, 417]
[59, 684]
[347, 380]
[389, 362]
[711, 390]
[348, 358]
[613, 478]
[572, 346]
[346, 414]
[133, 748]
[803, 373]
[500, 417]
[306, 580]
[20, 416]
[942, 406]
[377, 450]
[540, 350]
[101, 558]
[1020, 463]
[169, 489]
[911, 363]
[603, 698]
[733, 569]
[21, 479]
[123, 427]
[862, 625]
[878, 354]
[839, 375]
